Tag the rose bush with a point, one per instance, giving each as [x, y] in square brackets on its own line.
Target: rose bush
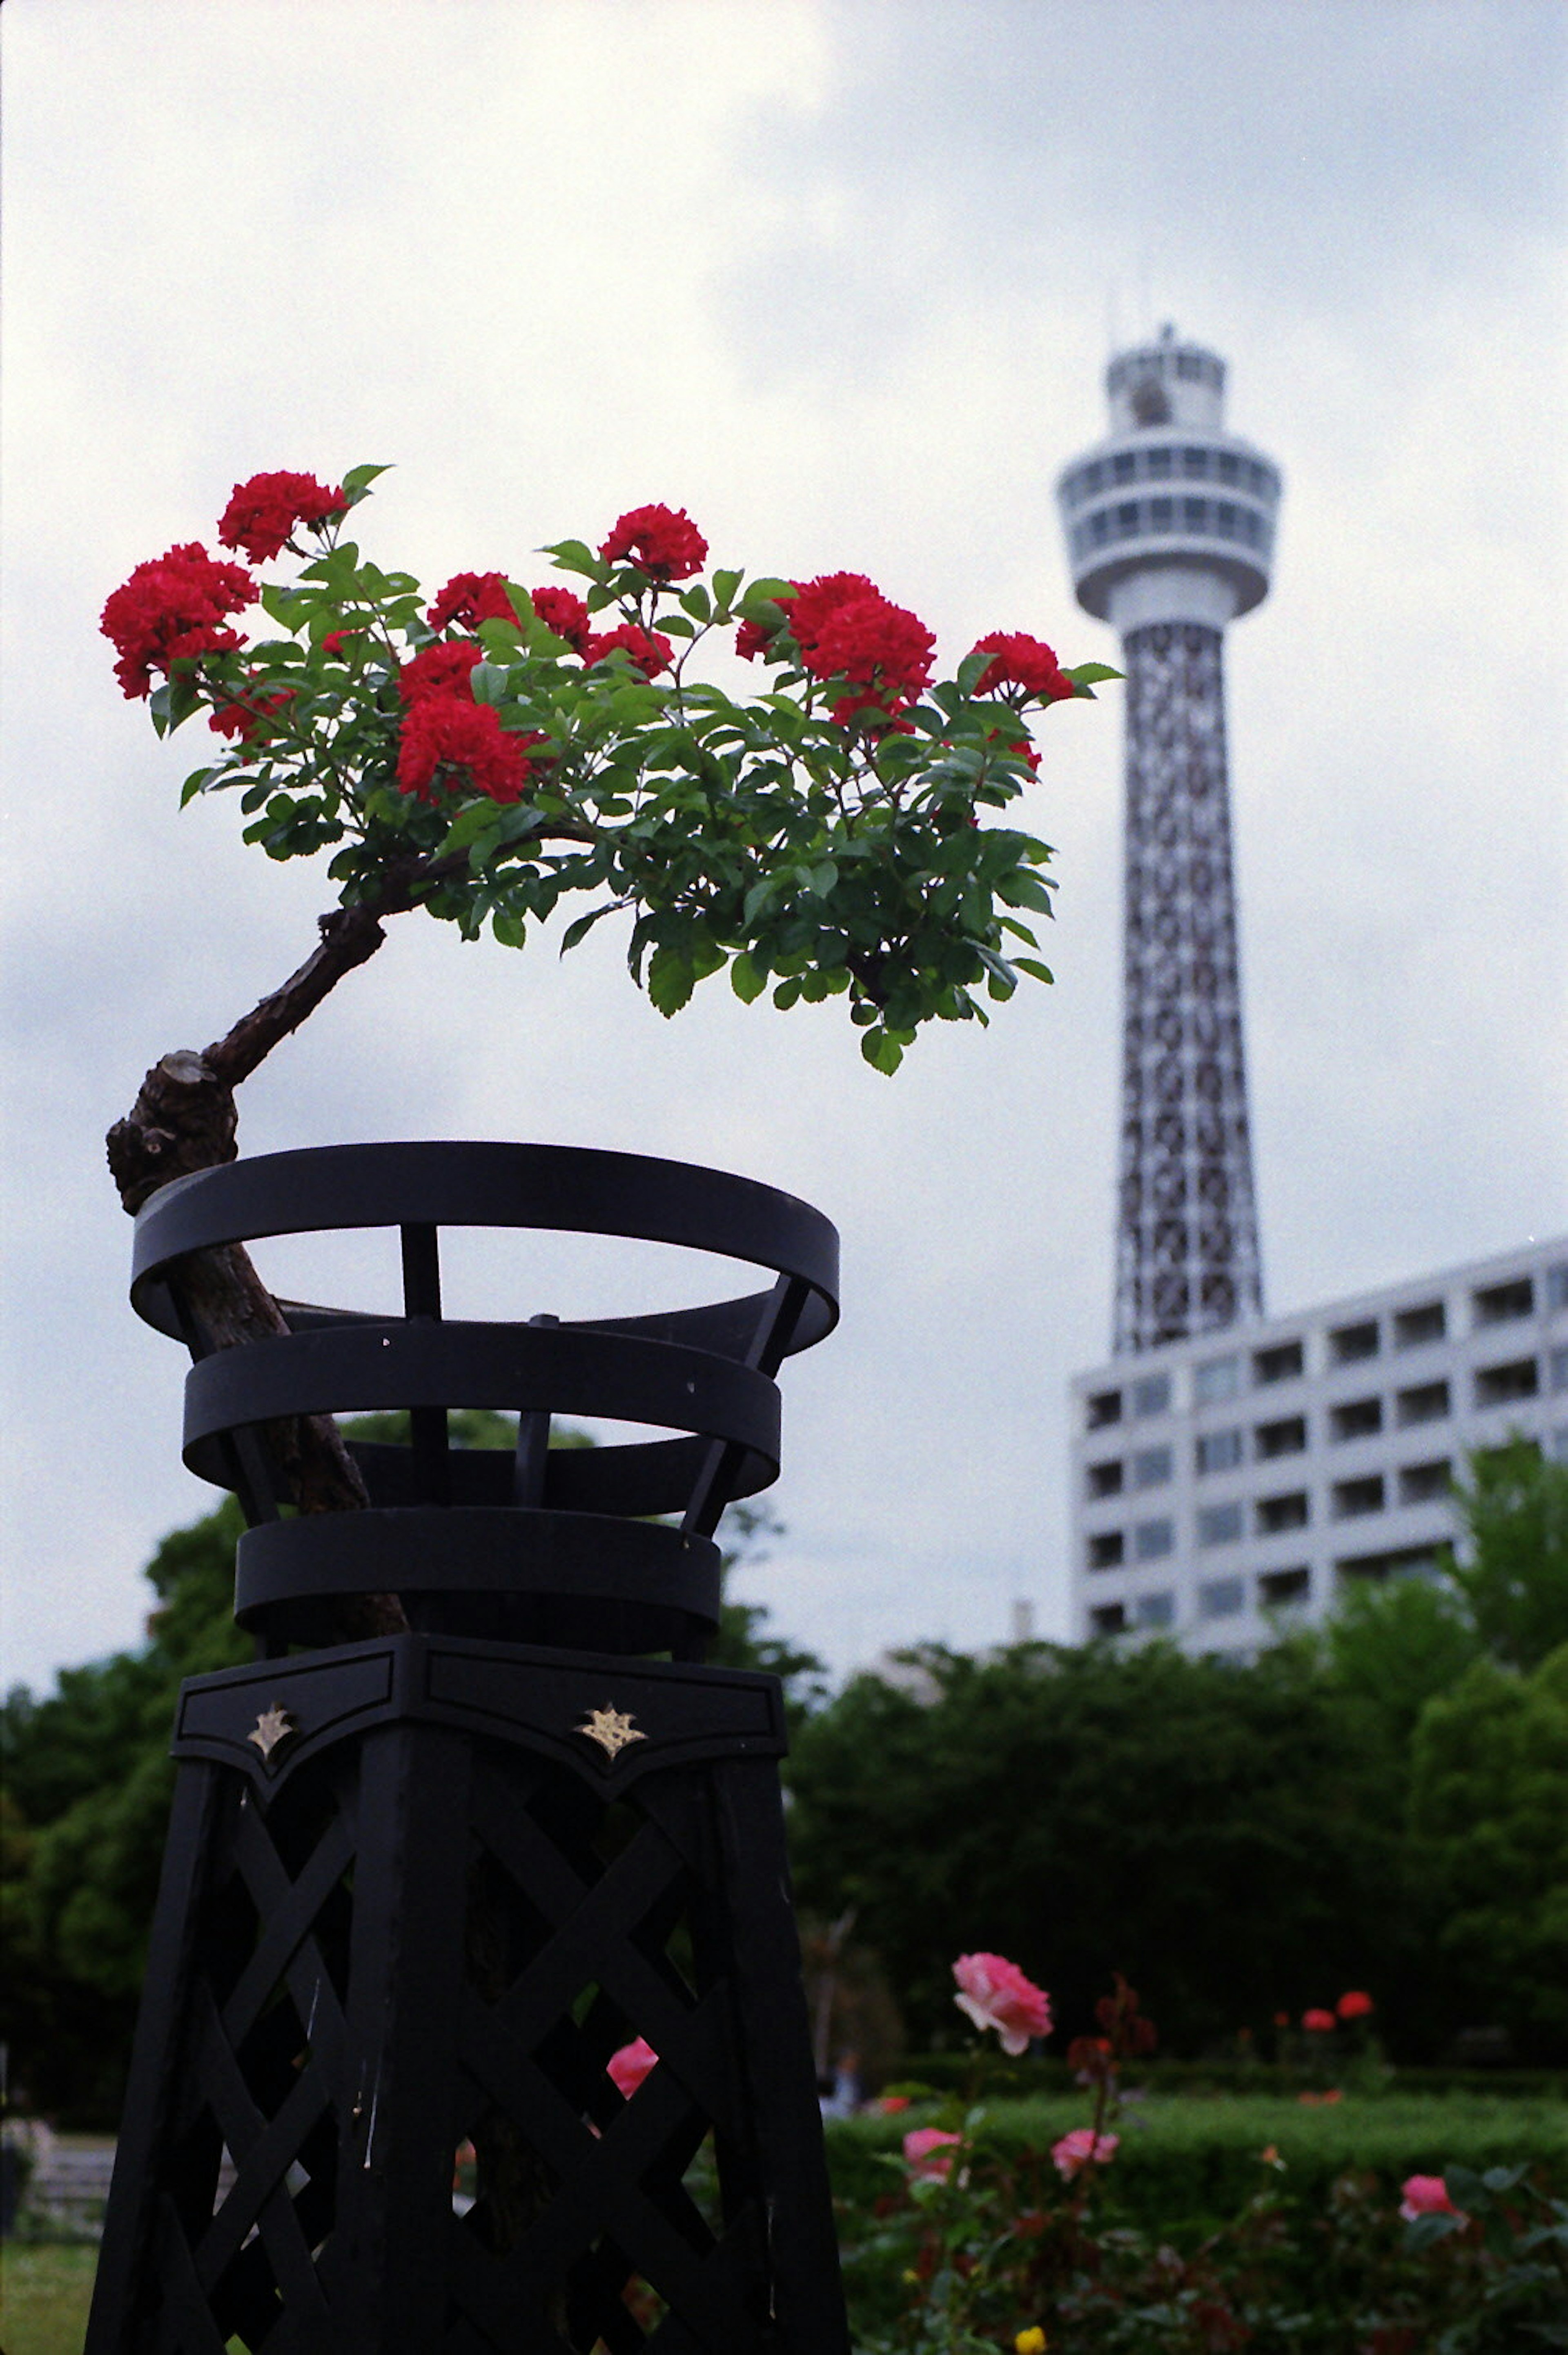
[487, 753]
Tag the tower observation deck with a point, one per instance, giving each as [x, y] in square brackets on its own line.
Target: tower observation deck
[1170, 527]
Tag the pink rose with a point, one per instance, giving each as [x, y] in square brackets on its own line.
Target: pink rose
[1081, 2149]
[928, 2151]
[630, 2065]
[996, 1994]
[1427, 2195]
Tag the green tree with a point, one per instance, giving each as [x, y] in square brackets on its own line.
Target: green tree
[1393, 1644]
[1489, 1818]
[1515, 1576]
[1223, 1835]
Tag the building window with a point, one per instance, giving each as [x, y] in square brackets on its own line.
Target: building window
[1557, 1285]
[1229, 466]
[1216, 1377]
[1499, 1304]
[1104, 1407]
[1496, 1385]
[1351, 1343]
[1151, 1395]
[1162, 515]
[1219, 1450]
[1107, 1618]
[1428, 1402]
[1221, 1598]
[1127, 520]
[1557, 1367]
[1155, 1610]
[1151, 1468]
[1285, 1589]
[1288, 1437]
[1105, 1479]
[1105, 1550]
[1195, 461]
[1280, 1364]
[1356, 1419]
[1421, 1483]
[1156, 462]
[1275, 1513]
[1153, 1538]
[1218, 1525]
[1195, 513]
[1124, 466]
[1408, 1561]
[1353, 1497]
[1412, 1326]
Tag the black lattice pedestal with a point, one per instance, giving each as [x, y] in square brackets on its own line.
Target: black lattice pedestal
[421, 1892]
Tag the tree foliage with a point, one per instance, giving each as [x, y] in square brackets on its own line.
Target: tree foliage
[1514, 1577]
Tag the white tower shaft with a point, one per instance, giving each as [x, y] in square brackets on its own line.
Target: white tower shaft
[1170, 527]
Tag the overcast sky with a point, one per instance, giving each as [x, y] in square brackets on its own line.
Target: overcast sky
[842, 280]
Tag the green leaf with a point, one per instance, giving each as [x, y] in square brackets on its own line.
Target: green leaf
[488, 681]
[1033, 967]
[761, 594]
[576, 555]
[725, 585]
[971, 670]
[671, 980]
[580, 928]
[1091, 674]
[508, 928]
[694, 601]
[358, 479]
[746, 979]
[195, 783]
[883, 1053]
[822, 879]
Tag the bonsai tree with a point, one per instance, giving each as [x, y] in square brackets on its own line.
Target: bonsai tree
[496, 751]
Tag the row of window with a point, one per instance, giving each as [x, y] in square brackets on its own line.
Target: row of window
[1159, 461]
[1194, 367]
[1224, 1376]
[1351, 1419]
[1226, 1524]
[1136, 518]
[1218, 1598]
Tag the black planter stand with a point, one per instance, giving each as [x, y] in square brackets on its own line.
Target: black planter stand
[420, 1890]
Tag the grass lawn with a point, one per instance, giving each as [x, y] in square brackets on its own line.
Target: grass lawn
[45, 2291]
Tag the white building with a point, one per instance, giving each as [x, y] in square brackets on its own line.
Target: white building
[1226, 1484]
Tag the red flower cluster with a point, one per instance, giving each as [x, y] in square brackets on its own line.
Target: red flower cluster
[1022, 662]
[171, 608]
[1318, 2023]
[662, 541]
[650, 650]
[562, 611]
[1355, 2004]
[443, 669]
[846, 628]
[262, 513]
[450, 742]
[470, 598]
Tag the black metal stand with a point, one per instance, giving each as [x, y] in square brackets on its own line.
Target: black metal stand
[420, 1892]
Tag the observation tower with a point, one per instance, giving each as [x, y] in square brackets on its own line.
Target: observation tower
[1170, 530]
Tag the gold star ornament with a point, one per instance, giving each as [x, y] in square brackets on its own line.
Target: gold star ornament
[612, 1729]
[273, 1726]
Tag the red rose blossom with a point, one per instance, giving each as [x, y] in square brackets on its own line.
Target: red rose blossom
[754, 638]
[1022, 662]
[1318, 2023]
[262, 513]
[879, 646]
[336, 640]
[562, 611]
[650, 650]
[663, 542]
[1355, 2004]
[244, 716]
[813, 601]
[470, 598]
[443, 669]
[171, 608]
[452, 743]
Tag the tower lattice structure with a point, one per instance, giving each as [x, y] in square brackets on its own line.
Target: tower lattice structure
[1170, 528]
